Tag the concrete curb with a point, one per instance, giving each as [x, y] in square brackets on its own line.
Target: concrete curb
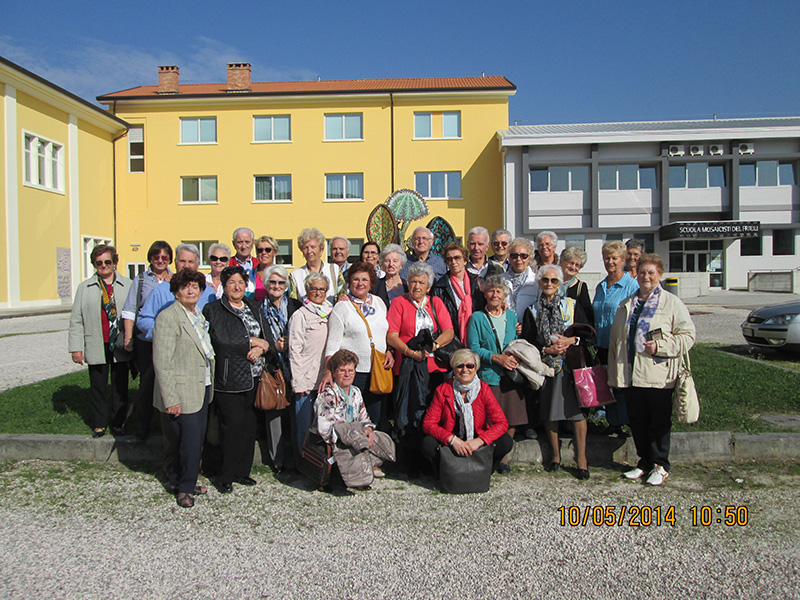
[687, 448]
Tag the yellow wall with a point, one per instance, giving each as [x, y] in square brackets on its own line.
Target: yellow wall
[95, 181]
[148, 204]
[3, 226]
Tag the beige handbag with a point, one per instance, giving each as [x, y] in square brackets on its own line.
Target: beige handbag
[381, 381]
[685, 403]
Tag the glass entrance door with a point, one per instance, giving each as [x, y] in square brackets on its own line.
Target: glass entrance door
[697, 256]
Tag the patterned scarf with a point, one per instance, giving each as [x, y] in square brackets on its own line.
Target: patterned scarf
[423, 319]
[465, 306]
[110, 308]
[277, 317]
[516, 280]
[550, 322]
[464, 395]
[200, 326]
[350, 402]
[365, 305]
[643, 324]
[323, 310]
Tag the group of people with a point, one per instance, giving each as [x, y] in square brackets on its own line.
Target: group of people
[455, 331]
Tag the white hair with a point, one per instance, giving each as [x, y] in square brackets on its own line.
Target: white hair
[421, 268]
[185, 247]
[545, 268]
[420, 228]
[394, 249]
[479, 231]
[242, 230]
[497, 232]
[214, 247]
[551, 234]
[346, 242]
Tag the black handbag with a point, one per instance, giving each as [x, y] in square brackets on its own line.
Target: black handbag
[465, 474]
[315, 460]
[443, 353]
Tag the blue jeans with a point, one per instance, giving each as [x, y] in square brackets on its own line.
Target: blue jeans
[304, 416]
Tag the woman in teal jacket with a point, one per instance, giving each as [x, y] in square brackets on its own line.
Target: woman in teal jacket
[488, 333]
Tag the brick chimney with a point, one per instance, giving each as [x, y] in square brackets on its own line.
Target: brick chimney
[168, 80]
[239, 77]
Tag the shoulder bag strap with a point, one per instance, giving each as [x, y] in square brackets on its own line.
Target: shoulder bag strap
[497, 337]
[363, 318]
[139, 296]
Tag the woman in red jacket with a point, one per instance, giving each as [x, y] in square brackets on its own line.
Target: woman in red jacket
[464, 414]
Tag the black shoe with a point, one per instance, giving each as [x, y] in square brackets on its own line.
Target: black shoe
[224, 488]
[98, 433]
[244, 480]
[553, 467]
[583, 474]
[504, 468]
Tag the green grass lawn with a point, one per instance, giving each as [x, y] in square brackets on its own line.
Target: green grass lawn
[733, 392]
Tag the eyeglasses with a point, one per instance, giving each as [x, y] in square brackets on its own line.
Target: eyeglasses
[503, 244]
[515, 256]
[370, 252]
[213, 258]
[100, 263]
[421, 239]
[160, 258]
[278, 283]
[550, 280]
[264, 250]
[469, 366]
[315, 289]
[453, 258]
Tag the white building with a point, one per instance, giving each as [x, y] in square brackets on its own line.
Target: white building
[718, 198]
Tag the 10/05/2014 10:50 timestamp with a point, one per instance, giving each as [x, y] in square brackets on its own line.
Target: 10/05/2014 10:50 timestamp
[650, 516]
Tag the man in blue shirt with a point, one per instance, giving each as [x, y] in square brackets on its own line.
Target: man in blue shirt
[421, 243]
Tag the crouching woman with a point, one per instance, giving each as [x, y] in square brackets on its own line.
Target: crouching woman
[343, 422]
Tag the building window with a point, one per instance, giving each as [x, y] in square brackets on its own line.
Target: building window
[450, 125]
[272, 129]
[202, 246]
[750, 246]
[195, 190]
[441, 185]
[766, 173]
[344, 127]
[135, 269]
[284, 252]
[136, 149]
[786, 174]
[89, 243]
[199, 130]
[273, 188]
[575, 239]
[627, 177]
[559, 179]
[783, 242]
[44, 163]
[344, 186]
[696, 175]
[747, 175]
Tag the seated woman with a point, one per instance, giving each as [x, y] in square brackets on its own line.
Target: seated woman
[464, 414]
[342, 421]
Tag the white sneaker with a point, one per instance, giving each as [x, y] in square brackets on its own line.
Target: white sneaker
[657, 475]
[633, 474]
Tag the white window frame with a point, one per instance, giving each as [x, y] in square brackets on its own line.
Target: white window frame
[452, 137]
[447, 195]
[199, 200]
[341, 118]
[53, 163]
[197, 120]
[88, 244]
[202, 246]
[429, 115]
[272, 139]
[135, 268]
[272, 200]
[131, 140]
[441, 116]
[344, 187]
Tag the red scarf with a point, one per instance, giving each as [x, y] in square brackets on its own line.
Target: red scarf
[465, 308]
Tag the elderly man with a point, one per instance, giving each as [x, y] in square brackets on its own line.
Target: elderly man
[478, 264]
[243, 242]
[501, 238]
[421, 242]
[340, 251]
[546, 243]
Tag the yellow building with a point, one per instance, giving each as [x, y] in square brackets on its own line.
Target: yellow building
[57, 182]
[202, 160]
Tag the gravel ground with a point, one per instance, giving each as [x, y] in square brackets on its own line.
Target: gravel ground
[101, 531]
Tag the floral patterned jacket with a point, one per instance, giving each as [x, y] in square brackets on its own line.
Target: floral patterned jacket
[331, 408]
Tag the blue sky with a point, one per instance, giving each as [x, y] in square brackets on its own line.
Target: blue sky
[571, 61]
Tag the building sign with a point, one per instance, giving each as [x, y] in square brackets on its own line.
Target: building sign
[710, 230]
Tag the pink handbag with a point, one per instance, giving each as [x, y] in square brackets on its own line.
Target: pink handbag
[591, 386]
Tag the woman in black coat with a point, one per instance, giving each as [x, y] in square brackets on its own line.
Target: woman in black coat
[459, 289]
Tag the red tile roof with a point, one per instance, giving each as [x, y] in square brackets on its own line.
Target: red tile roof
[348, 86]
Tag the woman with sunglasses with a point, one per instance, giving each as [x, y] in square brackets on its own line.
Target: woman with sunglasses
[266, 252]
[96, 337]
[544, 325]
[464, 414]
[370, 254]
[520, 276]
[219, 255]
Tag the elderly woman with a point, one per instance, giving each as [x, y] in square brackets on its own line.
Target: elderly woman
[459, 289]
[652, 330]
[391, 285]
[635, 249]
[96, 337]
[418, 325]
[159, 256]
[571, 262]
[238, 331]
[544, 325]
[308, 331]
[218, 257]
[546, 242]
[312, 244]
[183, 359]
[617, 286]
[359, 325]
[520, 276]
[266, 252]
[342, 421]
[489, 332]
[464, 414]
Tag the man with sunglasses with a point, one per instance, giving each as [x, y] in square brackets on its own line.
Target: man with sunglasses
[501, 238]
[243, 242]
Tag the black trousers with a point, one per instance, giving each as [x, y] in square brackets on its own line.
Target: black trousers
[98, 379]
[188, 431]
[650, 414]
[430, 446]
[143, 403]
[237, 427]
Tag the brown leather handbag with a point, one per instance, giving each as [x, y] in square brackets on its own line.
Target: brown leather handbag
[271, 392]
[381, 381]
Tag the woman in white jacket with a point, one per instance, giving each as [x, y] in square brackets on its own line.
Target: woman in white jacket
[652, 330]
